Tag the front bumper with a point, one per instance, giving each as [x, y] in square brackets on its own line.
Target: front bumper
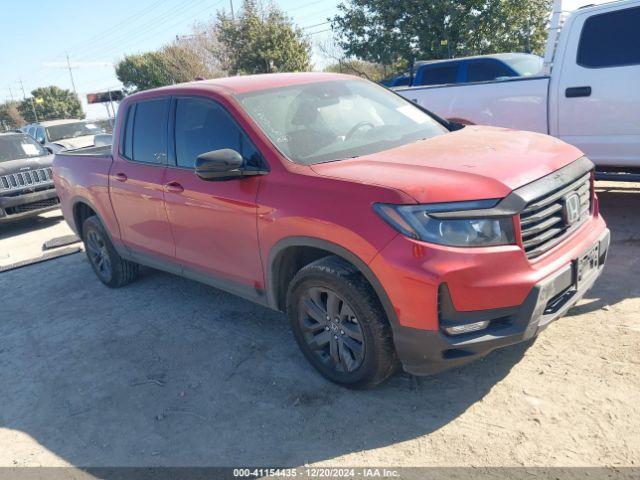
[27, 205]
[426, 352]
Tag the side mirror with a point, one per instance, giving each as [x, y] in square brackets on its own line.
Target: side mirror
[219, 164]
[49, 149]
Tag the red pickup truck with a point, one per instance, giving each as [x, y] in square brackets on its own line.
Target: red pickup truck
[388, 235]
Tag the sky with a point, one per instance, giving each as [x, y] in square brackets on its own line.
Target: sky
[96, 35]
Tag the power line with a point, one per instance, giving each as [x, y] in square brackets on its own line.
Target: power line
[137, 30]
[316, 25]
[321, 31]
[150, 33]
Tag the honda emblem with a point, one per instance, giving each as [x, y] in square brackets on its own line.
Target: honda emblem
[571, 210]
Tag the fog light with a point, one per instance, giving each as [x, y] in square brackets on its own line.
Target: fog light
[469, 327]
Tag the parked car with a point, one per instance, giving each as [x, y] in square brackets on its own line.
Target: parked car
[57, 135]
[589, 99]
[482, 68]
[26, 178]
[386, 233]
[106, 124]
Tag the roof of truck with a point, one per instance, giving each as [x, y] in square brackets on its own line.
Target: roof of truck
[253, 83]
[50, 123]
[497, 56]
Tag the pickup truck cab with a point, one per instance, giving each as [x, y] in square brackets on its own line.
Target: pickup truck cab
[26, 178]
[69, 134]
[588, 97]
[481, 68]
[388, 235]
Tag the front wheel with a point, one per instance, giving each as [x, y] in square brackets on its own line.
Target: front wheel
[109, 267]
[339, 324]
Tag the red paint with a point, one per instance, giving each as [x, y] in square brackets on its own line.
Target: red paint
[229, 229]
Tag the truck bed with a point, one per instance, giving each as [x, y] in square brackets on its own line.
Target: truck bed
[519, 103]
[99, 151]
[84, 173]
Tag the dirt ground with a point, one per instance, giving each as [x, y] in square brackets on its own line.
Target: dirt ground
[168, 372]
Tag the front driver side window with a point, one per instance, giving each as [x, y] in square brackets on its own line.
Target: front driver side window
[202, 126]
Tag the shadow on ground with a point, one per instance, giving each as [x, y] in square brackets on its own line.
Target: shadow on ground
[32, 224]
[620, 206]
[171, 372]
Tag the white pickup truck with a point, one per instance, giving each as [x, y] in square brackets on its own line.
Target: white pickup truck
[588, 96]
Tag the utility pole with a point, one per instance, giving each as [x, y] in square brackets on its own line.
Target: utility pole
[233, 17]
[73, 84]
[33, 107]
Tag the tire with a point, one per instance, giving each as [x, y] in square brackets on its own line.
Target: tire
[110, 268]
[339, 324]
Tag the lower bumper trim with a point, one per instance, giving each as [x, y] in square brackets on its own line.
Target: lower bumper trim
[427, 352]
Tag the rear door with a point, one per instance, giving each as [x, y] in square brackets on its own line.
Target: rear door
[137, 183]
[597, 95]
[438, 74]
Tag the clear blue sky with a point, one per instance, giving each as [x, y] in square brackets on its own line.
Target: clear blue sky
[36, 39]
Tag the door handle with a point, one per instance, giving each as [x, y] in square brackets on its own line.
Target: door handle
[573, 92]
[174, 187]
[121, 177]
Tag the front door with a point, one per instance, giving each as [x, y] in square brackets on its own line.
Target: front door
[213, 222]
[598, 107]
[137, 183]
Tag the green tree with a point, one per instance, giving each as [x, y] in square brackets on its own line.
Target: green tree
[180, 61]
[51, 103]
[261, 41]
[396, 32]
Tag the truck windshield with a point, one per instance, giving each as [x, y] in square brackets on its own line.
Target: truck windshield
[15, 147]
[72, 130]
[334, 120]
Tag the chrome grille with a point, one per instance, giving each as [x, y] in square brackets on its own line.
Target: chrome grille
[544, 221]
[30, 178]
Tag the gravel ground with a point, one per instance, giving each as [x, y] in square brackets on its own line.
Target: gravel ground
[171, 372]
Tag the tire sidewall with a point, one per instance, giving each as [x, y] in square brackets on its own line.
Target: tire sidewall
[362, 309]
[93, 224]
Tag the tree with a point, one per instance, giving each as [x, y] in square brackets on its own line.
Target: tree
[180, 61]
[261, 41]
[51, 103]
[392, 32]
[352, 66]
[10, 117]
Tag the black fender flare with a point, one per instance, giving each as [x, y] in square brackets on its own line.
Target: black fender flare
[340, 251]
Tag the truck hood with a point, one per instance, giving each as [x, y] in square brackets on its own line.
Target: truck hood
[474, 163]
[23, 164]
[76, 142]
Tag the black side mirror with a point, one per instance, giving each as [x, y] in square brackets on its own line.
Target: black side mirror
[219, 164]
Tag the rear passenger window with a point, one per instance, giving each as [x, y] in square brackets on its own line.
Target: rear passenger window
[149, 131]
[202, 126]
[438, 74]
[485, 71]
[611, 40]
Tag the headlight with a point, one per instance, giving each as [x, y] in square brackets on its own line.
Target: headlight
[430, 223]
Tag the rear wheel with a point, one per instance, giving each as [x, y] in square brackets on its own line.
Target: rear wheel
[108, 265]
[339, 324]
